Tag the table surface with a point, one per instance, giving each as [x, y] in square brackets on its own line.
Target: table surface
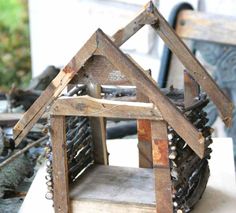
[219, 197]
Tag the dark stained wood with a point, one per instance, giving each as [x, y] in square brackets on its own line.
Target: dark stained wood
[161, 167]
[148, 86]
[89, 106]
[197, 71]
[207, 27]
[191, 89]
[59, 163]
[98, 126]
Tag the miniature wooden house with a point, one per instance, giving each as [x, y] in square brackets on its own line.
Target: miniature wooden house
[100, 62]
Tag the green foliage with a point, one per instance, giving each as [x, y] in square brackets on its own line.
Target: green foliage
[15, 62]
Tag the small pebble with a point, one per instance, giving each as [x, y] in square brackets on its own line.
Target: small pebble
[172, 155]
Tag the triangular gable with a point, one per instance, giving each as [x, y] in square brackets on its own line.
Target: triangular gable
[150, 15]
[100, 44]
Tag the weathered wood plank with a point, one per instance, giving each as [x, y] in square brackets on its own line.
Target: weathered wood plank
[143, 18]
[89, 106]
[148, 86]
[109, 189]
[98, 126]
[53, 90]
[161, 167]
[207, 27]
[144, 136]
[197, 71]
[59, 164]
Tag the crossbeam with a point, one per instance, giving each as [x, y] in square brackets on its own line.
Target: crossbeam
[88, 106]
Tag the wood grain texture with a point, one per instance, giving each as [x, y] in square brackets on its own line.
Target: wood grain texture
[148, 86]
[122, 186]
[197, 71]
[98, 128]
[54, 89]
[160, 153]
[89, 106]
[207, 27]
[144, 136]
[143, 18]
[59, 164]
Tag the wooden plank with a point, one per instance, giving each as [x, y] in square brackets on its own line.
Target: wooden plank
[144, 136]
[146, 84]
[53, 90]
[98, 126]
[89, 106]
[191, 89]
[59, 164]
[143, 18]
[97, 206]
[105, 72]
[197, 71]
[161, 167]
[207, 27]
[117, 188]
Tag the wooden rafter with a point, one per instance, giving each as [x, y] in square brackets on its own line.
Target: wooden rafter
[100, 44]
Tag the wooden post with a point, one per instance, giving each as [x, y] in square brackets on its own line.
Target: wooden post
[98, 126]
[144, 137]
[161, 167]
[191, 89]
[60, 165]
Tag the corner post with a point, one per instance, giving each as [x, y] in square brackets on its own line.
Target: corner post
[60, 165]
[160, 154]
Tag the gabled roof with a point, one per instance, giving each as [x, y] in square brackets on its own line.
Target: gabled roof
[101, 45]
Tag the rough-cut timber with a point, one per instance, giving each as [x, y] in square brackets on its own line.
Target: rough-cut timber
[207, 27]
[99, 44]
[89, 106]
[98, 126]
[148, 86]
[59, 163]
[160, 153]
[197, 71]
[53, 90]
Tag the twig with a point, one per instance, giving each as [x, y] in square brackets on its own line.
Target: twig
[11, 158]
